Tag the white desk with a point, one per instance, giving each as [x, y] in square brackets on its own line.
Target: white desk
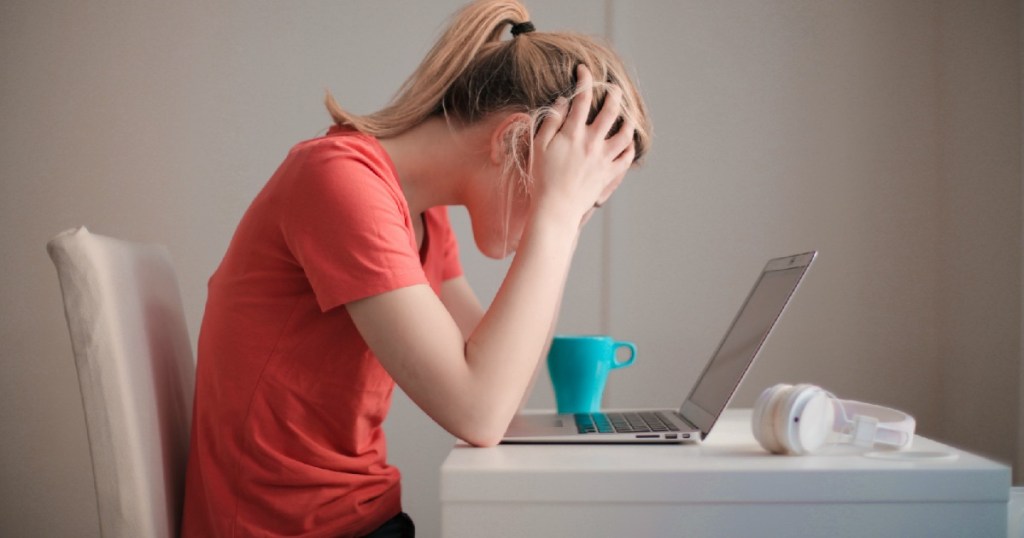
[726, 487]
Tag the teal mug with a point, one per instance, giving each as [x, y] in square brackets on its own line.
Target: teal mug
[579, 367]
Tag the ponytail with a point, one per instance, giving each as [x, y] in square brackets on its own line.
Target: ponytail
[472, 72]
[475, 26]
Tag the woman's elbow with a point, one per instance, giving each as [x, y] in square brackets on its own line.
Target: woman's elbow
[481, 431]
[483, 441]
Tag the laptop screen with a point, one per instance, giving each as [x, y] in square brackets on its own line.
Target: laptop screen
[744, 339]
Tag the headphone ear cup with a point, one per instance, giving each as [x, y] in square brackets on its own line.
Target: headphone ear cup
[817, 422]
[811, 420]
[782, 417]
[806, 419]
[763, 419]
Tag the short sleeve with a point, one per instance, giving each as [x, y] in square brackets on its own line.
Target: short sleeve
[347, 223]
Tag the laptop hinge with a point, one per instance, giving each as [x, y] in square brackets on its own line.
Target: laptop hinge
[686, 421]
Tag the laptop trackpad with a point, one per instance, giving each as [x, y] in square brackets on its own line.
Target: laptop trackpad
[538, 424]
[547, 421]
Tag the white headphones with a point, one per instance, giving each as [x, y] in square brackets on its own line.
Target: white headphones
[799, 419]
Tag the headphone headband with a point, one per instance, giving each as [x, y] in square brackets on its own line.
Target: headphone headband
[877, 424]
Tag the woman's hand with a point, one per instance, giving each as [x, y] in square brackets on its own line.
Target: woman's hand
[576, 166]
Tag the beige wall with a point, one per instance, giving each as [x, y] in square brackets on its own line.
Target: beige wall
[1019, 467]
[980, 251]
[884, 134]
[785, 127]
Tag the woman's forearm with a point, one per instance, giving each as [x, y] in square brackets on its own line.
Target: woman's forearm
[504, 350]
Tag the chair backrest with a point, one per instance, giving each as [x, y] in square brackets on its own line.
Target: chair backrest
[137, 375]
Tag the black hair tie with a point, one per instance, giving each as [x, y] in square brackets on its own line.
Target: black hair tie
[522, 28]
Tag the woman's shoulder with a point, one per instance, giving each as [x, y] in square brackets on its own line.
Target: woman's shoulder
[342, 150]
[341, 139]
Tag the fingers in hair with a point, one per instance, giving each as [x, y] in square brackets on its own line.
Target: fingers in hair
[623, 139]
[584, 97]
[610, 109]
[552, 122]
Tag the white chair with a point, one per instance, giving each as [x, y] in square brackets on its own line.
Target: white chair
[136, 373]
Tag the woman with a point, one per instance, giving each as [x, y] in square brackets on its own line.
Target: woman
[343, 276]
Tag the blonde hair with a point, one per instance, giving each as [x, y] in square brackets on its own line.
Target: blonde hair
[472, 72]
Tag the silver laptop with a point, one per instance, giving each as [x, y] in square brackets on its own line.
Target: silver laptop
[700, 410]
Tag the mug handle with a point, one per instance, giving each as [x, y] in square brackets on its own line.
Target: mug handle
[627, 362]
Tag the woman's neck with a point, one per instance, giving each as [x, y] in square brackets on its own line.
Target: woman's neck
[433, 161]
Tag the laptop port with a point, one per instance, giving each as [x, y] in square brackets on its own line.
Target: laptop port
[647, 436]
[671, 436]
[686, 436]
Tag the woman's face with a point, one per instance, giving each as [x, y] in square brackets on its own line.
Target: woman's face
[498, 209]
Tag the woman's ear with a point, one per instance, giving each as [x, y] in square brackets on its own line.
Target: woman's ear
[509, 136]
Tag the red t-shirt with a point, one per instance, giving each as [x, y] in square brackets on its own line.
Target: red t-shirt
[289, 400]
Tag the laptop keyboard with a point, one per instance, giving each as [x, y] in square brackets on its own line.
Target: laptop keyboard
[624, 422]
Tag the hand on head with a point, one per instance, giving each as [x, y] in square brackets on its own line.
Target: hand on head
[576, 165]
